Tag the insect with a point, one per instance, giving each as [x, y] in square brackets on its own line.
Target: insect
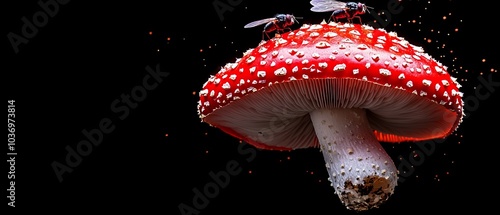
[341, 10]
[278, 23]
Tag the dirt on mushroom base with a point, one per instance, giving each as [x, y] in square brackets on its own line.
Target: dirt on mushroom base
[372, 193]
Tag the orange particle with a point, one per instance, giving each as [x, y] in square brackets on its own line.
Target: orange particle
[249, 171]
[150, 33]
[168, 38]
[429, 40]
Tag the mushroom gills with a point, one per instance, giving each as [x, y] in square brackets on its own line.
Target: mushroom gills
[361, 172]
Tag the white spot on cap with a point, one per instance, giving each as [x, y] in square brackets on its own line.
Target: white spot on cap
[281, 41]
[242, 69]
[418, 49]
[358, 57]
[369, 35]
[401, 76]
[315, 55]
[426, 82]
[323, 65]
[252, 69]
[439, 70]
[322, 44]
[274, 53]
[242, 81]
[203, 92]
[354, 32]
[385, 72]
[280, 72]
[288, 61]
[342, 46]
[250, 59]
[314, 34]
[375, 57]
[339, 67]
[292, 51]
[273, 63]
[263, 62]
[347, 40]
[409, 84]
[261, 74]
[262, 49]
[445, 83]
[332, 57]
[305, 61]
[437, 87]
[362, 46]
[304, 76]
[232, 77]
[394, 48]
[295, 69]
[330, 34]
[212, 93]
[315, 27]
[367, 65]
[226, 86]
[300, 54]
[445, 94]
[378, 45]
[305, 42]
[217, 81]
[355, 71]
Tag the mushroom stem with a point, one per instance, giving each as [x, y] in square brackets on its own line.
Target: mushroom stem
[362, 173]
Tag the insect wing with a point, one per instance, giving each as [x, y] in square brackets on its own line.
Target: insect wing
[259, 22]
[326, 5]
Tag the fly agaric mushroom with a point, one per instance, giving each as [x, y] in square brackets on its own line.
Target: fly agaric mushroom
[342, 88]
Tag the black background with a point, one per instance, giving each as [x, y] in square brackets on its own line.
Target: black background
[66, 77]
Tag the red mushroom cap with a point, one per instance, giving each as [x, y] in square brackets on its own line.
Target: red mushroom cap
[408, 95]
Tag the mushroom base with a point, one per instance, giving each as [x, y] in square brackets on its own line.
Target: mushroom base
[362, 173]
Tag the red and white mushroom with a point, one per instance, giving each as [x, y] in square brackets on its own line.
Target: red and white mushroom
[342, 88]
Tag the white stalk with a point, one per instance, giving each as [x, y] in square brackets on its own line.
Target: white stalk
[362, 173]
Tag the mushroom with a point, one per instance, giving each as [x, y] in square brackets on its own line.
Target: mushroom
[342, 88]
